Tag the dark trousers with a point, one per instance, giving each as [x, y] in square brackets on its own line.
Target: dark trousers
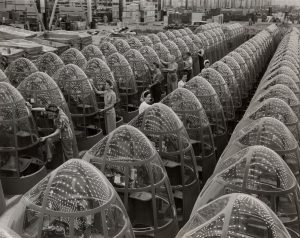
[189, 74]
[66, 147]
[156, 92]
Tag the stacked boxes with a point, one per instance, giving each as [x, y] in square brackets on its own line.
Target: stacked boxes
[116, 4]
[147, 11]
[131, 13]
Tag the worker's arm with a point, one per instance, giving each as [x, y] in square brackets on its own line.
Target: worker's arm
[38, 109]
[164, 62]
[98, 91]
[56, 132]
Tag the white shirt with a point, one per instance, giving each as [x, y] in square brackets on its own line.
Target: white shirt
[188, 64]
[143, 107]
[181, 84]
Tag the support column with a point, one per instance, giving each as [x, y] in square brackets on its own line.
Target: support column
[2, 200]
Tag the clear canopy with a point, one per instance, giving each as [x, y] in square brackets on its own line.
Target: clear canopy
[154, 38]
[247, 58]
[74, 56]
[230, 80]
[282, 70]
[121, 45]
[188, 108]
[137, 62]
[193, 49]
[99, 72]
[167, 133]
[7, 233]
[188, 31]
[131, 163]
[107, 48]
[282, 92]
[245, 70]
[162, 36]
[238, 74]
[181, 46]
[218, 83]
[170, 35]
[74, 200]
[77, 89]
[204, 40]
[182, 32]
[19, 70]
[280, 79]
[134, 43]
[159, 119]
[91, 52]
[41, 90]
[269, 132]
[173, 49]
[150, 55]
[258, 171]
[197, 41]
[210, 102]
[123, 73]
[17, 127]
[3, 77]
[162, 51]
[272, 107]
[234, 215]
[177, 33]
[140, 67]
[145, 40]
[49, 63]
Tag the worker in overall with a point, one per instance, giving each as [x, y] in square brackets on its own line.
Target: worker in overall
[63, 130]
[201, 59]
[188, 65]
[110, 100]
[172, 67]
[156, 86]
[146, 100]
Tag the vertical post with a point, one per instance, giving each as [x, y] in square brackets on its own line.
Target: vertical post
[2, 200]
[52, 14]
[89, 11]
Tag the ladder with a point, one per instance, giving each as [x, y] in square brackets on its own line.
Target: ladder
[86, 2]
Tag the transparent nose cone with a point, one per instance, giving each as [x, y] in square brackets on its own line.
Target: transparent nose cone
[190, 111]
[134, 43]
[7, 233]
[49, 63]
[107, 48]
[279, 91]
[19, 70]
[218, 83]
[91, 52]
[262, 173]
[234, 215]
[133, 166]
[268, 132]
[75, 200]
[231, 82]
[210, 101]
[122, 46]
[167, 133]
[74, 56]
[272, 107]
[150, 55]
[145, 40]
[21, 160]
